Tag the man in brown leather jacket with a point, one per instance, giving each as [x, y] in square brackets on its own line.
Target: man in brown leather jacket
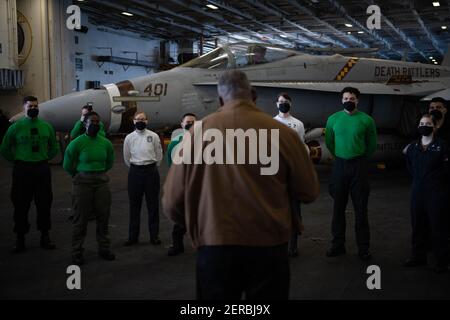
[237, 207]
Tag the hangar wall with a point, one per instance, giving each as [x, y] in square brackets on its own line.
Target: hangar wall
[89, 45]
[8, 35]
[45, 56]
[49, 55]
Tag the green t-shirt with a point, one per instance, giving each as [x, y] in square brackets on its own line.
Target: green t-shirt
[88, 154]
[78, 130]
[172, 146]
[349, 136]
[29, 140]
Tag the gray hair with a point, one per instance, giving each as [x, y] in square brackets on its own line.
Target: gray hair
[234, 85]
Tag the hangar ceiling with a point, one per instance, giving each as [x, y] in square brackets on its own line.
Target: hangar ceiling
[411, 30]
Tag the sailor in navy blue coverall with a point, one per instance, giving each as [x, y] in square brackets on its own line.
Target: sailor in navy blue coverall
[427, 161]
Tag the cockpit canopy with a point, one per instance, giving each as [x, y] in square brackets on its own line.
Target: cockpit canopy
[239, 55]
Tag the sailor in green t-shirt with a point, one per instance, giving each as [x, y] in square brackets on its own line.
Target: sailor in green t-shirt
[179, 230]
[351, 137]
[87, 159]
[80, 126]
[187, 121]
[30, 143]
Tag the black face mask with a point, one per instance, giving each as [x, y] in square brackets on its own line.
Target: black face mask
[349, 106]
[188, 126]
[93, 129]
[425, 130]
[284, 107]
[140, 125]
[436, 114]
[32, 112]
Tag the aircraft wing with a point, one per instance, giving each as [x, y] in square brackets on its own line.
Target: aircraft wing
[443, 94]
[419, 88]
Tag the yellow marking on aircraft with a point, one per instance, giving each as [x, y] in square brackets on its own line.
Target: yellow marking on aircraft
[346, 69]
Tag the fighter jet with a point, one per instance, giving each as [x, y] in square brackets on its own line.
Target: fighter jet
[391, 92]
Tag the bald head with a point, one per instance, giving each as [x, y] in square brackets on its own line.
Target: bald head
[234, 85]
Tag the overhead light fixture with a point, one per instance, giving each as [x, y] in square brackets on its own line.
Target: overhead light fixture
[349, 32]
[435, 62]
[444, 27]
[431, 58]
[127, 14]
[360, 32]
[283, 35]
[436, 4]
[348, 25]
[211, 6]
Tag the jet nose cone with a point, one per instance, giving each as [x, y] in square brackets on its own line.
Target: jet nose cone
[64, 111]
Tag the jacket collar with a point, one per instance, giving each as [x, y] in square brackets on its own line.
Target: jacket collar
[238, 103]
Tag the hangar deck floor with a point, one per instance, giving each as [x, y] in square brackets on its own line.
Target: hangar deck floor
[146, 272]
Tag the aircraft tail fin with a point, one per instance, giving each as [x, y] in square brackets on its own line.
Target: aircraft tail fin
[446, 61]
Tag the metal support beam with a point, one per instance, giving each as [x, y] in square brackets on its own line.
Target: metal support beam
[312, 34]
[448, 6]
[248, 17]
[196, 8]
[305, 10]
[427, 32]
[140, 13]
[373, 33]
[100, 16]
[224, 5]
[254, 20]
[401, 34]
[164, 10]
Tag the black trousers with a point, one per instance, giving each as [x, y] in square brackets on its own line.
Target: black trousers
[350, 177]
[296, 210]
[31, 181]
[227, 272]
[143, 180]
[429, 221]
[178, 232]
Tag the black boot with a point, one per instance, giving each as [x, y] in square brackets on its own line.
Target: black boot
[77, 259]
[293, 247]
[176, 248]
[174, 251]
[46, 243]
[20, 244]
[415, 262]
[106, 254]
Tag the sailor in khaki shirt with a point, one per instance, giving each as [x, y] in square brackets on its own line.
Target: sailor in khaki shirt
[239, 219]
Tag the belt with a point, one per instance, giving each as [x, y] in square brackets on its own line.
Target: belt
[31, 163]
[143, 166]
[91, 173]
[352, 159]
